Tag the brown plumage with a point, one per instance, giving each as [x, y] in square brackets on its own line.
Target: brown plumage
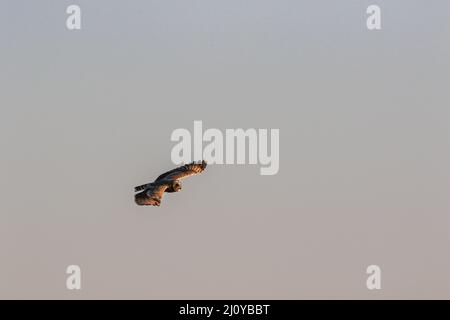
[167, 182]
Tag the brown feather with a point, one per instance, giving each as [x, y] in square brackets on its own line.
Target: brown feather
[151, 196]
[183, 171]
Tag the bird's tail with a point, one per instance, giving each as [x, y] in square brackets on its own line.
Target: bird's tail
[141, 187]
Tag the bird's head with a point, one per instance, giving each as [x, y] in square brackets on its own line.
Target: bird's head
[176, 185]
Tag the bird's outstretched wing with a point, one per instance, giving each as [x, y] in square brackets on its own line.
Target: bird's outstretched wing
[142, 187]
[183, 171]
[151, 196]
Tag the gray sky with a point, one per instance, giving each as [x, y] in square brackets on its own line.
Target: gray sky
[364, 149]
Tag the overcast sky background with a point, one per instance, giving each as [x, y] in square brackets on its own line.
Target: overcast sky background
[364, 149]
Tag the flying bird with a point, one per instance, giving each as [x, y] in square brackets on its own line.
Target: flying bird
[167, 182]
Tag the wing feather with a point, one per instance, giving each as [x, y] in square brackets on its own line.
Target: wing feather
[183, 171]
[151, 196]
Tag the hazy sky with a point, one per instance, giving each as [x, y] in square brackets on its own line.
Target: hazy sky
[364, 149]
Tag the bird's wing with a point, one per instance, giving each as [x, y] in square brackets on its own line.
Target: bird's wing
[142, 187]
[151, 196]
[183, 171]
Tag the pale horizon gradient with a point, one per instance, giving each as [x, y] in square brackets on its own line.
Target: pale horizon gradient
[364, 173]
